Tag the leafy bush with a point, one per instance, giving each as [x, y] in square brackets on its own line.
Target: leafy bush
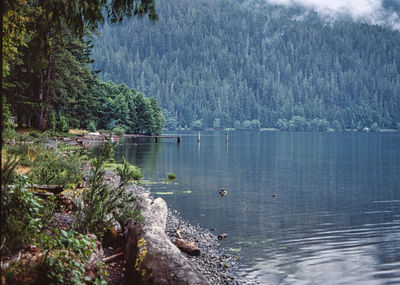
[24, 151]
[374, 127]
[62, 260]
[52, 125]
[298, 123]
[91, 127]
[120, 130]
[336, 126]
[5, 113]
[237, 125]
[319, 125]
[217, 123]
[171, 176]
[251, 125]
[282, 124]
[196, 125]
[20, 211]
[62, 124]
[67, 256]
[52, 168]
[100, 206]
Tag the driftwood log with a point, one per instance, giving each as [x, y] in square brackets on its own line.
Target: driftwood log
[185, 245]
[188, 247]
[151, 258]
[55, 189]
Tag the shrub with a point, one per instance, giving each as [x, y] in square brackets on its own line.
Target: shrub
[91, 127]
[52, 168]
[196, 125]
[120, 130]
[298, 123]
[52, 125]
[62, 124]
[336, 126]
[171, 176]
[374, 127]
[100, 206]
[217, 123]
[20, 211]
[68, 253]
[65, 254]
[237, 125]
[282, 124]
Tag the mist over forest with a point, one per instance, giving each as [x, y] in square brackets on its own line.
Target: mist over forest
[224, 62]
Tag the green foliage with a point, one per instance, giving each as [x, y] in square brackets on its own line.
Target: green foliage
[67, 254]
[374, 127]
[5, 113]
[47, 52]
[171, 176]
[336, 126]
[250, 125]
[62, 124]
[55, 169]
[52, 125]
[196, 125]
[318, 124]
[20, 211]
[128, 172]
[102, 204]
[237, 125]
[282, 124]
[91, 127]
[265, 64]
[120, 130]
[217, 123]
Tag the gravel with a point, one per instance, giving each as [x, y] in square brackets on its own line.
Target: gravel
[218, 266]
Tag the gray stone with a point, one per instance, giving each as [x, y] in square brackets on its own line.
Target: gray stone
[150, 256]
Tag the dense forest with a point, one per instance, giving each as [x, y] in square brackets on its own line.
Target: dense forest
[47, 82]
[230, 63]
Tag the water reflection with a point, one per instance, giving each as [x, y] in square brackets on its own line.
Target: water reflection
[302, 207]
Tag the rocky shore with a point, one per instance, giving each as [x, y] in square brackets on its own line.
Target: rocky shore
[217, 266]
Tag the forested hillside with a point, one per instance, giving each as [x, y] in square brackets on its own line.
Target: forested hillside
[222, 63]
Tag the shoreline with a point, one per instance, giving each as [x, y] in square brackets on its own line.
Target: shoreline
[217, 266]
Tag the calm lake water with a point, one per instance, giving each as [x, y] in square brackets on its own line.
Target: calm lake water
[335, 217]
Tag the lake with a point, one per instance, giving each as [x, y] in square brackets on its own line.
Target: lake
[301, 207]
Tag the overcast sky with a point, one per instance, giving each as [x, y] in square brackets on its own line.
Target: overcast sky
[380, 12]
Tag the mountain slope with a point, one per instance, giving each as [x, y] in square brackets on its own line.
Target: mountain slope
[220, 62]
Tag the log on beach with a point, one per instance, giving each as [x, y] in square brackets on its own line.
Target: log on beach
[151, 258]
[55, 189]
[187, 247]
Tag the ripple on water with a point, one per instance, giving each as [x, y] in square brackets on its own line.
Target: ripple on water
[369, 254]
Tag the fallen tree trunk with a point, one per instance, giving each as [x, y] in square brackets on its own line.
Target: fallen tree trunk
[55, 189]
[151, 258]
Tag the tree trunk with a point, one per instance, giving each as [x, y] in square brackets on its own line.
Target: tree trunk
[41, 111]
[44, 90]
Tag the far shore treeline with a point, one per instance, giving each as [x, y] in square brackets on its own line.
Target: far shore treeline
[47, 79]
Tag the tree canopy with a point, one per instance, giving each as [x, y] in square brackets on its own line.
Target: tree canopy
[222, 60]
[47, 46]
